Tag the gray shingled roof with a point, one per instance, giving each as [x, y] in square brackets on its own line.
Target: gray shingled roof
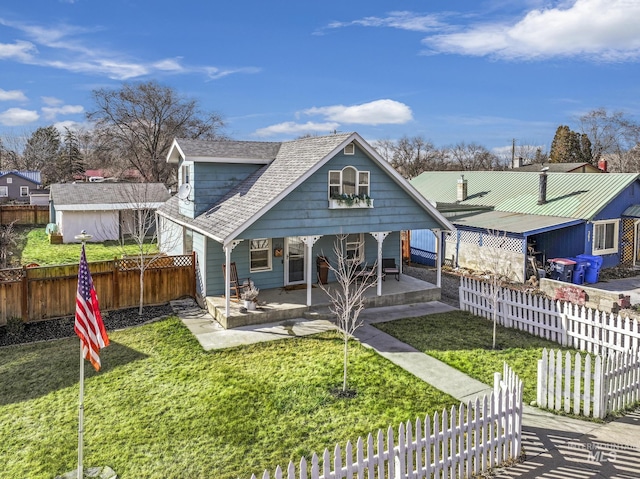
[294, 160]
[257, 150]
[107, 193]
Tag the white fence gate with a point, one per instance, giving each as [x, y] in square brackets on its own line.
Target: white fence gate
[467, 441]
[567, 324]
[588, 387]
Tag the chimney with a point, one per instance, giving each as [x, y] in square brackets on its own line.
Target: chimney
[542, 190]
[517, 162]
[602, 165]
[461, 189]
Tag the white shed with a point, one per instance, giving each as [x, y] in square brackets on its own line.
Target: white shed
[102, 209]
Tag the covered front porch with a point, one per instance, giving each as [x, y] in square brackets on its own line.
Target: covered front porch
[284, 303]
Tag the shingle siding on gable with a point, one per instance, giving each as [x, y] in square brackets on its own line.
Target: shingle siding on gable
[212, 180]
[305, 210]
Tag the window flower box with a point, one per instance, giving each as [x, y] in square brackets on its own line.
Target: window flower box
[350, 201]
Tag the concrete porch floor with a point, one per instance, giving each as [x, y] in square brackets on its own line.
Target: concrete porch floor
[279, 304]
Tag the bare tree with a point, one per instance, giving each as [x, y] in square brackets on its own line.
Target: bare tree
[497, 270]
[138, 226]
[141, 120]
[472, 156]
[347, 299]
[8, 238]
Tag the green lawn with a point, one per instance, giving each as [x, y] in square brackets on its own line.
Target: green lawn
[163, 408]
[38, 250]
[463, 341]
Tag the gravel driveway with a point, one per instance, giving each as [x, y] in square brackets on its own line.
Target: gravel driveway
[450, 282]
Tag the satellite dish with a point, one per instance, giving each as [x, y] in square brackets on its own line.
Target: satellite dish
[183, 192]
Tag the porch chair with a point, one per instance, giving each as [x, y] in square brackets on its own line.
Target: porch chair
[236, 286]
[389, 267]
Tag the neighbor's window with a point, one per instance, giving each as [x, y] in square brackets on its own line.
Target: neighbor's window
[260, 253]
[348, 181]
[4, 191]
[605, 237]
[354, 248]
[24, 191]
[9, 181]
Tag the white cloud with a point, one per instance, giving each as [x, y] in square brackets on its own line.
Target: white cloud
[20, 50]
[18, 117]
[400, 20]
[377, 112]
[604, 30]
[291, 127]
[51, 100]
[51, 113]
[65, 47]
[12, 95]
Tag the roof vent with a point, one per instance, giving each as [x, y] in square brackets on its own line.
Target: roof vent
[461, 192]
[350, 149]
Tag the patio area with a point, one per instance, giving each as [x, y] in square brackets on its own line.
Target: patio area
[284, 303]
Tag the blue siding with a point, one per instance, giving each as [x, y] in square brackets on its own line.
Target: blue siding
[211, 181]
[305, 210]
[423, 247]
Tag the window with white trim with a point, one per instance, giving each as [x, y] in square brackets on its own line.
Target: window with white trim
[4, 191]
[354, 248]
[24, 191]
[185, 175]
[260, 254]
[349, 181]
[605, 237]
[9, 181]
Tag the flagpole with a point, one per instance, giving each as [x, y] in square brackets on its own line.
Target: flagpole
[81, 415]
[83, 237]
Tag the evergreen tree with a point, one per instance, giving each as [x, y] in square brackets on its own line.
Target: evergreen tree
[41, 153]
[570, 147]
[70, 161]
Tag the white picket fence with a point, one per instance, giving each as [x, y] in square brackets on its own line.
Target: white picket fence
[467, 441]
[567, 324]
[588, 386]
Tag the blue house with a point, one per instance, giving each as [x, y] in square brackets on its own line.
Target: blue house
[273, 208]
[534, 216]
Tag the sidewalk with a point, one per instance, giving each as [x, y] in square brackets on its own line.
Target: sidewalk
[555, 446]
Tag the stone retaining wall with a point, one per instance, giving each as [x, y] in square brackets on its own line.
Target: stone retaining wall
[591, 297]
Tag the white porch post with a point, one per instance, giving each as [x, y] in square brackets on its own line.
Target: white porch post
[438, 234]
[227, 275]
[380, 236]
[309, 241]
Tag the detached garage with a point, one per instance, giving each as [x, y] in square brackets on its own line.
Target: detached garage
[107, 211]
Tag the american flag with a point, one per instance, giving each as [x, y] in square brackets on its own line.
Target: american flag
[89, 326]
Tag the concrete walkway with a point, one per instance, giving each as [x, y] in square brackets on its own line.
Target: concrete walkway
[555, 446]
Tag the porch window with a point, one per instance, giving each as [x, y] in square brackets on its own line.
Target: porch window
[260, 252]
[354, 248]
[605, 237]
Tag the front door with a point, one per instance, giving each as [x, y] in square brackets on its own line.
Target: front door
[294, 254]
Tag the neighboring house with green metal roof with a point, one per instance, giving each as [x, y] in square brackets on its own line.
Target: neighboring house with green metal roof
[273, 207]
[544, 215]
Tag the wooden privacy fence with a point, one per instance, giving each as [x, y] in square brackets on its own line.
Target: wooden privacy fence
[46, 292]
[588, 386]
[24, 214]
[468, 441]
[565, 323]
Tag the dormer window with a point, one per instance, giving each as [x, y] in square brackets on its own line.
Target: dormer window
[350, 188]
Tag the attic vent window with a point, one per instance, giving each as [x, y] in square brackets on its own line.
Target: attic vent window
[350, 149]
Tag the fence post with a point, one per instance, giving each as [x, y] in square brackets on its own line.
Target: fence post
[116, 284]
[193, 274]
[25, 295]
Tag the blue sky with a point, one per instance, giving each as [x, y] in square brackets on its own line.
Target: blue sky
[450, 71]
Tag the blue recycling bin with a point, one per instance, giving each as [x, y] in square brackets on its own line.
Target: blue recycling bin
[562, 269]
[579, 270]
[592, 273]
